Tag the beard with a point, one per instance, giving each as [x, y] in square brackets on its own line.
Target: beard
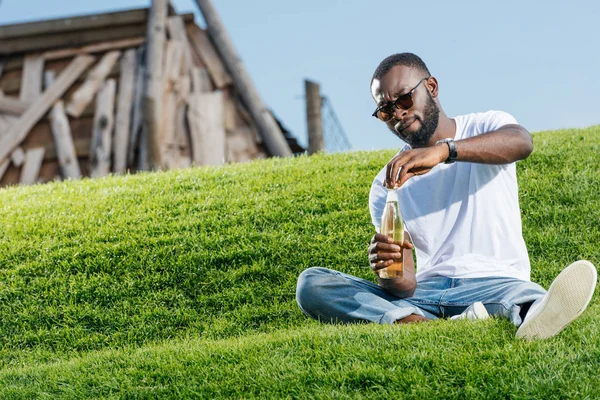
[429, 124]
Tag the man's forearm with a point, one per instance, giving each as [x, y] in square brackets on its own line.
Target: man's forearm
[503, 146]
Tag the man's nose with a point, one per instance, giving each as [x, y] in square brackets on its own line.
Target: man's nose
[399, 113]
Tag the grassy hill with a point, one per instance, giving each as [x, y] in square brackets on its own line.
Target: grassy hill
[182, 285]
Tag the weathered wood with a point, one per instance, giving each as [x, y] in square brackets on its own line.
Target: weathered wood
[3, 167]
[273, 137]
[137, 118]
[12, 105]
[124, 109]
[5, 122]
[31, 168]
[153, 82]
[200, 80]
[176, 29]
[65, 148]
[18, 157]
[207, 130]
[171, 86]
[209, 56]
[314, 121]
[104, 121]
[82, 23]
[82, 97]
[46, 42]
[95, 48]
[42, 104]
[33, 73]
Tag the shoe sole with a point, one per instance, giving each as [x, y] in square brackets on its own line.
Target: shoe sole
[567, 298]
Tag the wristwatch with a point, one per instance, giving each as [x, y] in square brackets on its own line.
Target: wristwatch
[453, 155]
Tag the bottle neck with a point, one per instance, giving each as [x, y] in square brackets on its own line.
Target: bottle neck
[392, 195]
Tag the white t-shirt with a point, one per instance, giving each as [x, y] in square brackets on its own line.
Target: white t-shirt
[463, 218]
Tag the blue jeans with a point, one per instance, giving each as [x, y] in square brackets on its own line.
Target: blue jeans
[333, 296]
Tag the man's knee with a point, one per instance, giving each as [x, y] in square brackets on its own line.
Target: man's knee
[309, 287]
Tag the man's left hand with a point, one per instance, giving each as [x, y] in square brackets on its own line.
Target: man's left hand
[414, 162]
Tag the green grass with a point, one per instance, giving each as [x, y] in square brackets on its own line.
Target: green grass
[182, 285]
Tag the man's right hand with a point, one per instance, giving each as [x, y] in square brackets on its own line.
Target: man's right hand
[383, 250]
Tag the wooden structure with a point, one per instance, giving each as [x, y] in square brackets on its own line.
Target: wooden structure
[72, 99]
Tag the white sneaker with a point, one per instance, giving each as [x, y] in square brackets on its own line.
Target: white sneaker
[567, 298]
[473, 312]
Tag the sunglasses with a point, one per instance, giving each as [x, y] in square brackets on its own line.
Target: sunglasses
[386, 111]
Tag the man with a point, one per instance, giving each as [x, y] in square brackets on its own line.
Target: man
[458, 195]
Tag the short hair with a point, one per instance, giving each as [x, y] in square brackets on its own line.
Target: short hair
[407, 59]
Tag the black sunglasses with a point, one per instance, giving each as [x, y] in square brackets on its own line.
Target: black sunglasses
[386, 111]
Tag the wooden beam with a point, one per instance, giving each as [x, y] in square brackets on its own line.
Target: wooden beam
[273, 137]
[207, 130]
[82, 97]
[173, 59]
[124, 109]
[104, 122]
[137, 118]
[176, 28]
[42, 104]
[71, 39]
[201, 81]
[153, 83]
[18, 157]
[65, 148]
[95, 48]
[314, 121]
[33, 74]
[3, 167]
[12, 105]
[86, 22]
[31, 168]
[209, 56]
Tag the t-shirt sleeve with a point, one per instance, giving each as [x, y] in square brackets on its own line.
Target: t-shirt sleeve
[493, 120]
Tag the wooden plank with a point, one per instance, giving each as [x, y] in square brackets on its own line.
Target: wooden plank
[31, 168]
[207, 130]
[61, 25]
[209, 56]
[65, 148]
[33, 73]
[153, 83]
[18, 157]
[103, 126]
[124, 109]
[95, 48]
[176, 29]
[12, 105]
[42, 104]
[200, 80]
[3, 167]
[82, 97]
[274, 139]
[137, 118]
[86, 22]
[171, 77]
[71, 39]
[5, 122]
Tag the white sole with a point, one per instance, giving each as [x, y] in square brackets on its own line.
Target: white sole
[567, 298]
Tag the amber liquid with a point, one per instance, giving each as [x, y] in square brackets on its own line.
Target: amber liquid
[393, 227]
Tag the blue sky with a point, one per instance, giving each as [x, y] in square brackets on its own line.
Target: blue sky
[536, 60]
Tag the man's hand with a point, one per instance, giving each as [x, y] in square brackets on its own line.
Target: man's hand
[414, 162]
[382, 251]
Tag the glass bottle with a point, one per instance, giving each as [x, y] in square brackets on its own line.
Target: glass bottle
[393, 227]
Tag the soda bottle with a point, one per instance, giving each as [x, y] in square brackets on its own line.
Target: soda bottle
[393, 227]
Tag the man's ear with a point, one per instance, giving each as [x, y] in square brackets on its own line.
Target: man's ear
[432, 86]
